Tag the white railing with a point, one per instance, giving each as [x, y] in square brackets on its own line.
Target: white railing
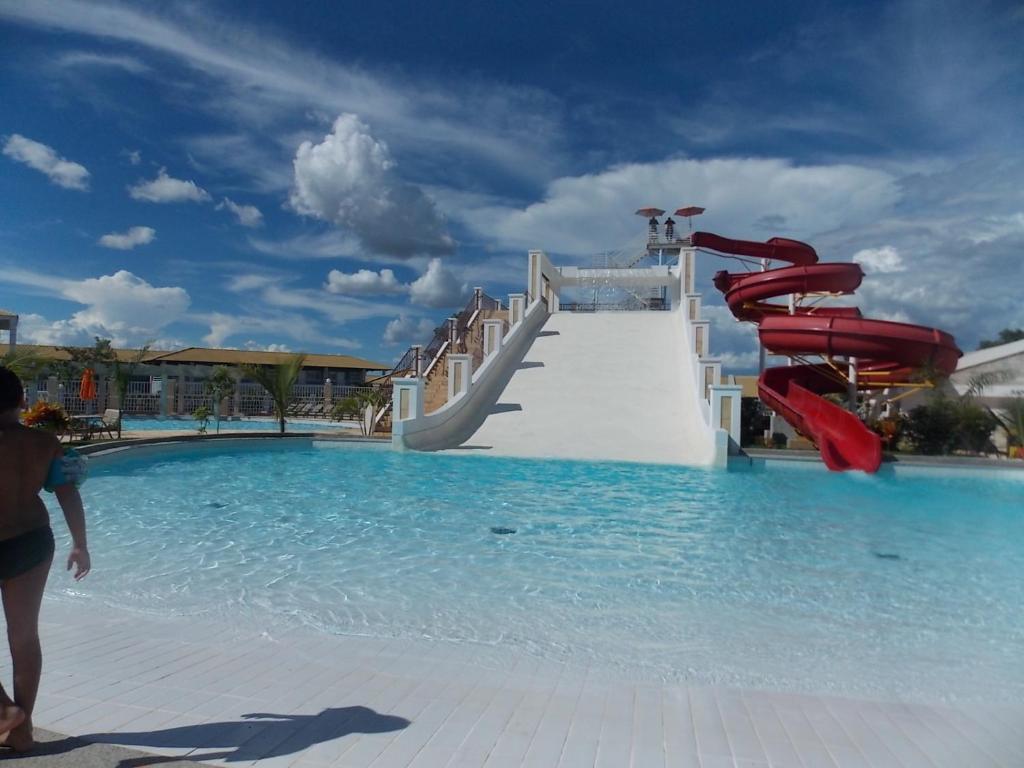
[253, 400]
[194, 395]
[139, 398]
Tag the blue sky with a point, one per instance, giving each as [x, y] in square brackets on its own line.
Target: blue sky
[336, 176]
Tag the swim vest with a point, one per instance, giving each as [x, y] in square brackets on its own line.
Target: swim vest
[72, 467]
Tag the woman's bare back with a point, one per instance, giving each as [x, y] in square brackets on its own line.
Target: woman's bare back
[25, 456]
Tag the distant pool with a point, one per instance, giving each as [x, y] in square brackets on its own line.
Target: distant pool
[783, 579]
[243, 425]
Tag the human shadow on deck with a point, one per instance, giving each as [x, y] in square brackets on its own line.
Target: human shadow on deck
[256, 736]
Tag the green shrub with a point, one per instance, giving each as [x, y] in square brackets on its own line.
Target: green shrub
[932, 427]
[753, 421]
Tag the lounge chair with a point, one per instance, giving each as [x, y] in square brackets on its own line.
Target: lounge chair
[109, 423]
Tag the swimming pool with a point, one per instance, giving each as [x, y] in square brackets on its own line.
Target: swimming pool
[239, 425]
[781, 579]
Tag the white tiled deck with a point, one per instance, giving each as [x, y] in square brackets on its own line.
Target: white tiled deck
[184, 687]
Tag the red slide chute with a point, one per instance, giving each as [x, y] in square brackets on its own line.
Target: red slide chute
[887, 353]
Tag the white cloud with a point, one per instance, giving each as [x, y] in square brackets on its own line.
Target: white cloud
[240, 283]
[325, 245]
[406, 330]
[588, 214]
[36, 329]
[437, 287]
[299, 328]
[364, 282]
[165, 189]
[258, 347]
[125, 241]
[348, 179]
[62, 172]
[80, 59]
[134, 156]
[884, 259]
[247, 215]
[121, 307]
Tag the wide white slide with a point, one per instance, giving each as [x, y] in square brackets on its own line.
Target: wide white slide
[601, 386]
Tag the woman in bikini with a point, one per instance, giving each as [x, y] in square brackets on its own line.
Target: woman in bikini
[29, 460]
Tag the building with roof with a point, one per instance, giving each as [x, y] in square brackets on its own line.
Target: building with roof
[996, 373]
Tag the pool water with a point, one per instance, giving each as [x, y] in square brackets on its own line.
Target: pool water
[240, 425]
[784, 579]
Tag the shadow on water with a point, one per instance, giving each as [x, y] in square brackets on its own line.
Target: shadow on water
[255, 736]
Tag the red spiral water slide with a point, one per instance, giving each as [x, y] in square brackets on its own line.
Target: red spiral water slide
[887, 353]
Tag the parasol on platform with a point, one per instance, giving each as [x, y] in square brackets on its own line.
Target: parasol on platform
[650, 213]
[689, 212]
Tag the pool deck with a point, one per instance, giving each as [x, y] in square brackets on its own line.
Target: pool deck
[188, 688]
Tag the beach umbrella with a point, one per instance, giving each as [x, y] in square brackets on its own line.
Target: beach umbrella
[689, 212]
[650, 213]
[87, 388]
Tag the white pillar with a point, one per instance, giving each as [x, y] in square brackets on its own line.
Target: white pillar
[166, 393]
[516, 308]
[460, 371]
[417, 360]
[533, 279]
[408, 399]
[701, 337]
[493, 336]
[710, 376]
[688, 260]
[725, 410]
[52, 390]
[328, 396]
[851, 386]
[693, 307]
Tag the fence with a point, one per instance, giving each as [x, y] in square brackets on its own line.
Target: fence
[143, 398]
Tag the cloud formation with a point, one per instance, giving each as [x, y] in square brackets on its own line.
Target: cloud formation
[405, 330]
[588, 214]
[165, 189]
[885, 259]
[364, 282]
[122, 307]
[247, 215]
[125, 241]
[437, 287]
[62, 172]
[349, 179]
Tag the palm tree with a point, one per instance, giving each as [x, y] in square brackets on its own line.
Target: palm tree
[278, 381]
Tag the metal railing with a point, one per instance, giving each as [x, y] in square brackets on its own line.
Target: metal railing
[631, 304]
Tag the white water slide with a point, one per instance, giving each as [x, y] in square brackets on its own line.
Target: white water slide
[614, 385]
[603, 386]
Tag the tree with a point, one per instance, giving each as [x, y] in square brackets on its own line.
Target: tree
[220, 387]
[1005, 337]
[122, 374]
[278, 381]
[24, 364]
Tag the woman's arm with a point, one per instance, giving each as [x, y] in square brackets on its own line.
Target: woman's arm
[71, 503]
